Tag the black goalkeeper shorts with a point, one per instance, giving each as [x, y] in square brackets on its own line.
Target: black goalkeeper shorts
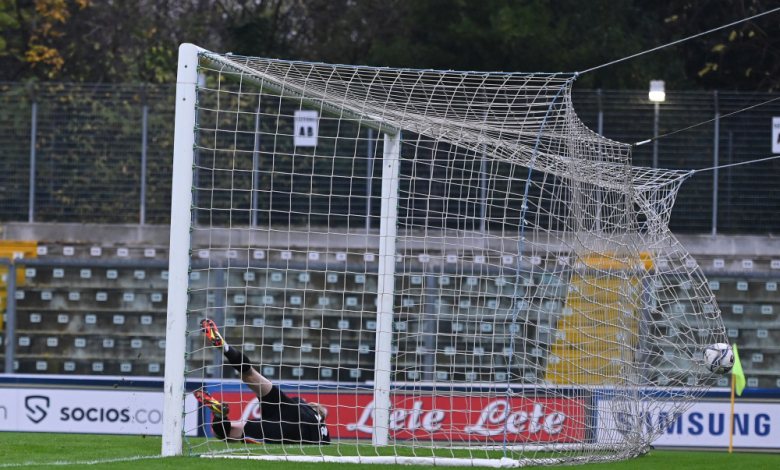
[285, 420]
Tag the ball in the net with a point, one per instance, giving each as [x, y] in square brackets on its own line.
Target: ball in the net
[719, 358]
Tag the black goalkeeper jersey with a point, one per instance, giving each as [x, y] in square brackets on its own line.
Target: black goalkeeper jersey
[285, 420]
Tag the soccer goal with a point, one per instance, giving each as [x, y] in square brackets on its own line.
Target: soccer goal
[450, 264]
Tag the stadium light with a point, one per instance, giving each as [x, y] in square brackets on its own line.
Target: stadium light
[657, 95]
[657, 91]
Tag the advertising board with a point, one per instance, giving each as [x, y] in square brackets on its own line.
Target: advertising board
[83, 404]
[460, 418]
[705, 424]
[86, 411]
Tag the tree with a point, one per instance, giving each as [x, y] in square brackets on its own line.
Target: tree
[487, 35]
[743, 57]
[527, 36]
[84, 40]
[87, 41]
[32, 35]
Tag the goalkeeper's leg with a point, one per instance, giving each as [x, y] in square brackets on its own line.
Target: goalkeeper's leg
[256, 382]
[281, 417]
[222, 427]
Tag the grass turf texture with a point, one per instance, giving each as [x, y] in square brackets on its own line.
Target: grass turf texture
[42, 450]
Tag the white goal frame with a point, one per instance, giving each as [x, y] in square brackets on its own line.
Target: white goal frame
[179, 257]
[583, 188]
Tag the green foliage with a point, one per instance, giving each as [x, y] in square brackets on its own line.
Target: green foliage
[75, 40]
[15, 111]
[88, 152]
[529, 36]
[8, 23]
[82, 41]
[745, 57]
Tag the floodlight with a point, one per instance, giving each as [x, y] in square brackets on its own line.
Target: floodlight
[657, 91]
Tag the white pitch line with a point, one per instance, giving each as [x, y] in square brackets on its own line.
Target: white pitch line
[82, 462]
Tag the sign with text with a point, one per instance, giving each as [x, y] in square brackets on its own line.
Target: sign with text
[306, 128]
[87, 411]
[776, 135]
[705, 424]
[460, 418]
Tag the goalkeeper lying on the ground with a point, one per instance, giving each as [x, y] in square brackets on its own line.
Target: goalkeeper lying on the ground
[283, 420]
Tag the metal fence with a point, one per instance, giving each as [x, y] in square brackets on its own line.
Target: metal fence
[745, 198]
[102, 153]
[86, 153]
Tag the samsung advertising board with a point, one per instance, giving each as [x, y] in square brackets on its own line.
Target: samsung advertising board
[705, 424]
[87, 411]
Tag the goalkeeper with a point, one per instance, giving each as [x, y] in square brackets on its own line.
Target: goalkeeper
[283, 420]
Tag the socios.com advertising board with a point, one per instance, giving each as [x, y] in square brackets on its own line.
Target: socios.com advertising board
[85, 411]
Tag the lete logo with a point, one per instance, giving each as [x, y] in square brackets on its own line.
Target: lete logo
[33, 404]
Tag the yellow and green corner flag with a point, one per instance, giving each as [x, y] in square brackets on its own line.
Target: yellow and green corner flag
[739, 375]
[738, 385]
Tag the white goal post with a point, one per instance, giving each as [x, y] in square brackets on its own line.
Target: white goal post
[450, 263]
[179, 256]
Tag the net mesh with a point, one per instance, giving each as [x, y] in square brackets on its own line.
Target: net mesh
[542, 310]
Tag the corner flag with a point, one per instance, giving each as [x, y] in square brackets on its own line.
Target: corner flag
[738, 383]
[736, 371]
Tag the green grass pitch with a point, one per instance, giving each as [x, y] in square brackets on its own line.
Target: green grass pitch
[104, 451]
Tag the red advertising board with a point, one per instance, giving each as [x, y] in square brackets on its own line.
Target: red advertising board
[456, 418]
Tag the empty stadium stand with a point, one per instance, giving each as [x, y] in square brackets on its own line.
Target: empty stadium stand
[83, 308]
[87, 309]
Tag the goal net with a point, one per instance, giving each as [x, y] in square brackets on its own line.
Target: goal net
[450, 263]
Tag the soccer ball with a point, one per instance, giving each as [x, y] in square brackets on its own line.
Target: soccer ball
[719, 358]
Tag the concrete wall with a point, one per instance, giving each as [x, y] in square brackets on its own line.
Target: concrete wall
[705, 246]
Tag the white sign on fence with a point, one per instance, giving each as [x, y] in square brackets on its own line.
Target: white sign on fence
[87, 411]
[776, 135]
[705, 424]
[306, 127]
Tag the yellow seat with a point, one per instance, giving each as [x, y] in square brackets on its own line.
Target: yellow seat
[566, 353]
[601, 321]
[586, 378]
[592, 365]
[18, 250]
